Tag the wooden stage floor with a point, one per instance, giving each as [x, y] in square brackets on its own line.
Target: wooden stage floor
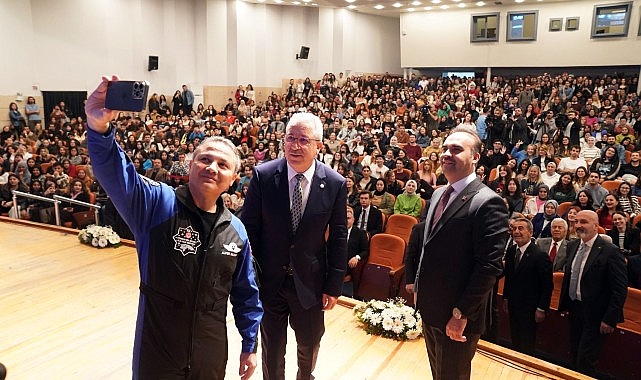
[67, 311]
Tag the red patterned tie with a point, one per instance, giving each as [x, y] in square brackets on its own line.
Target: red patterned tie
[553, 252]
[442, 203]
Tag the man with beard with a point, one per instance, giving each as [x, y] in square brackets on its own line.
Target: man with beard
[593, 291]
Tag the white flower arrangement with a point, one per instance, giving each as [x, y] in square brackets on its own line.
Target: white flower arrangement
[99, 236]
[390, 319]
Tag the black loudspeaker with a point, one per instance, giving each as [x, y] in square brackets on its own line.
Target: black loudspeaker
[304, 53]
[153, 63]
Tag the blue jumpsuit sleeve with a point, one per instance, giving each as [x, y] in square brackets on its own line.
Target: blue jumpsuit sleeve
[142, 203]
[246, 306]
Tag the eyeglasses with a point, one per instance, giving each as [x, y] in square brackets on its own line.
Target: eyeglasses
[302, 141]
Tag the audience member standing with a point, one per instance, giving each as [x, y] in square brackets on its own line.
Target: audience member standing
[594, 291]
[528, 286]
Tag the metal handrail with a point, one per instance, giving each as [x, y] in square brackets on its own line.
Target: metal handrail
[96, 208]
[56, 203]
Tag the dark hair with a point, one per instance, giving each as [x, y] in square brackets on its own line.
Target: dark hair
[363, 192]
[588, 206]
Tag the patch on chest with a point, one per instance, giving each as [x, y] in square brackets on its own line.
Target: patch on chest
[186, 241]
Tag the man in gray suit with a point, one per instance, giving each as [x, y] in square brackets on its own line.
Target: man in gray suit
[464, 241]
[556, 246]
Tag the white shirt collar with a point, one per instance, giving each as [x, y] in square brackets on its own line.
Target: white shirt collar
[590, 242]
[308, 174]
[459, 185]
[524, 248]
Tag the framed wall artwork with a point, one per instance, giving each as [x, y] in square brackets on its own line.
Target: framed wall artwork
[572, 23]
[556, 24]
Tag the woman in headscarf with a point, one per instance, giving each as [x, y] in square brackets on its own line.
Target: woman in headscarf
[534, 205]
[408, 203]
[542, 221]
[382, 199]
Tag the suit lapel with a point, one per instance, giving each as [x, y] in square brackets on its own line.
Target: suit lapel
[316, 190]
[282, 190]
[595, 251]
[525, 258]
[464, 196]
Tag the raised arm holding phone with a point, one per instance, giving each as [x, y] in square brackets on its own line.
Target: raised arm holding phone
[193, 256]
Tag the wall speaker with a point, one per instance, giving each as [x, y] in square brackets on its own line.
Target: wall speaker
[304, 53]
[153, 63]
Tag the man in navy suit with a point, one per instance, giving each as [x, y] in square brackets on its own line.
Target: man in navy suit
[528, 286]
[372, 219]
[291, 203]
[465, 235]
[594, 289]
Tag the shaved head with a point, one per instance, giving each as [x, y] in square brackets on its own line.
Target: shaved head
[587, 223]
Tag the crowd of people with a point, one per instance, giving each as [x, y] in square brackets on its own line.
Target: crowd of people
[547, 140]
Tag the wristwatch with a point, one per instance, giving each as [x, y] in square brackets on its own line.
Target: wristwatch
[456, 313]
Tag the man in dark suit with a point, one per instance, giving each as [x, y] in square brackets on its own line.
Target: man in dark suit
[464, 241]
[528, 286]
[413, 255]
[366, 216]
[594, 291]
[556, 246]
[357, 252]
[290, 204]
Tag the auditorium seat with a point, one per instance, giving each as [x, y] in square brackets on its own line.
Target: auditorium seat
[611, 186]
[563, 208]
[384, 271]
[632, 311]
[556, 293]
[400, 225]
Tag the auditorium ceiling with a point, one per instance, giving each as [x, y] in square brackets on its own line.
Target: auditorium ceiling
[393, 8]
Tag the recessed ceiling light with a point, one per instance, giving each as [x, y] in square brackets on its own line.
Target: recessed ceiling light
[436, 1]
[480, 4]
[519, 1]
[416, 3]
[379, 7]
[350, 1]
[456, 1]
[296, 2]
[461, 5]
[411, 9]
[428, 8]
[397, 5]
[307, 1]
[260, 1]
[444, 6]
[278, 1]
[351, 6]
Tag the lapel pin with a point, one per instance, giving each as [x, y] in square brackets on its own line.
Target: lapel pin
[322, 185]
[464, 198]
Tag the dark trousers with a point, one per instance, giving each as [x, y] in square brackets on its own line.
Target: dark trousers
[449, 360]
[308, 326]
[523, 330]
[586, 340]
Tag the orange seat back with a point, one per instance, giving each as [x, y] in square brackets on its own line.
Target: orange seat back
[400, 225]
[386, 250]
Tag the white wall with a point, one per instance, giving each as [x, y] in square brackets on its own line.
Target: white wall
[442, 39]
[67, 44]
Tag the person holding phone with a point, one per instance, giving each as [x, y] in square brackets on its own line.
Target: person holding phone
[193, 256]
